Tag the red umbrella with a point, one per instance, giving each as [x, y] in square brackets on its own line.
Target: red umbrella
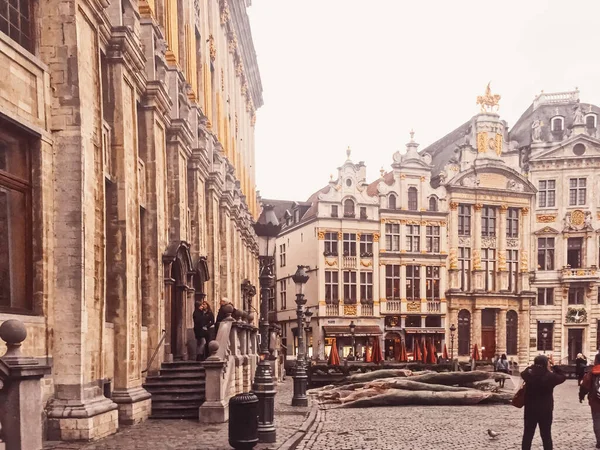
[445, 353]
[431, 354]
[425, 352]
[416, 350]
[334, 357]
[403, 355]
[397, 351]
[434, 354]
[475, 354]
[368, 355]
[377, 356]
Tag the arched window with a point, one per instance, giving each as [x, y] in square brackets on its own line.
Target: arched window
[464, 332]
[590, 120]
[433, 204]
[348, 208]
[558, 123]
[512, 326]
[413, 204]
[392, 201]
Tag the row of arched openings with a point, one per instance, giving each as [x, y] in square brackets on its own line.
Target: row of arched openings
[464, 332]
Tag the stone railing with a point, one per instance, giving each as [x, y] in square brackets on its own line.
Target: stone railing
[20, 392]
[555, 97]
[579, 273]
[332, 309]
[366, 309]
[349, 262]
[230, 367]
[392, 306]
[434, 306]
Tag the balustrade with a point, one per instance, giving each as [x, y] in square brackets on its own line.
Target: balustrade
[366, 309]
[332, 309]
[393, 306]
[350, 262]
[434, 306]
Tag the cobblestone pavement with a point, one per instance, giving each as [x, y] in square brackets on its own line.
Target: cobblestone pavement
[191, 435]
[448, 427]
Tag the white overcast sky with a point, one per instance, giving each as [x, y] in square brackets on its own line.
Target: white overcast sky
[358, 73]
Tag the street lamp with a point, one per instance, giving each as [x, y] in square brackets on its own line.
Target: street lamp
[452, 331]
[300, 377]
[267, 228]
[307, 317]
[352, 331]
[544, 338]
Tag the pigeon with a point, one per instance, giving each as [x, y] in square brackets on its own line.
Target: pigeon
[492, 434]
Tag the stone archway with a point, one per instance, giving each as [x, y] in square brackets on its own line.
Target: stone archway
[178, 273]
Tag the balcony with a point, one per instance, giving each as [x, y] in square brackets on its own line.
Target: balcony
[349, 262]
[393, 306]
[434, 306]
[332, 309]
[579, 274]
[366, 309]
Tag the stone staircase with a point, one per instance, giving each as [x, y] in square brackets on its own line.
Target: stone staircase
[178, 390]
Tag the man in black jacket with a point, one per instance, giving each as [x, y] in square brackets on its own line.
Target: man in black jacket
[540, 381]
[221, 314]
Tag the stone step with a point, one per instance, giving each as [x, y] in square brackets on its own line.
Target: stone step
[183, 364]
[176, 391]
[182, 371]
[175, 377]
[174, 404]
[191, 415]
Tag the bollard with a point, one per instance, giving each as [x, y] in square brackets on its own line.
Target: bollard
[243, 421]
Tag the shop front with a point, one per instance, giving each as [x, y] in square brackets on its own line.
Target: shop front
[416, 330]
[350, 344]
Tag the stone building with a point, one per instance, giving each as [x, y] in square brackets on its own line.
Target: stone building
[127, 189]
[491, 228]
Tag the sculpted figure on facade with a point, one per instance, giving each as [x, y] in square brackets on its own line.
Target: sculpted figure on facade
[536, 130]
[578, 116]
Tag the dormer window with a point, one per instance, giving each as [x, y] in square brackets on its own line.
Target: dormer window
[433, 204]
[413, 203]
[297, 216]
[334, 210]
[392, 201]
[558, 123]
[591, 120]
[348, 208]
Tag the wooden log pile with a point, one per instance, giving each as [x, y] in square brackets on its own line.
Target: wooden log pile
[403, 387]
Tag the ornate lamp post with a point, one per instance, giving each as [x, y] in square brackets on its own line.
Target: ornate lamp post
[352, 331]
[300, 377]
[267, 228]
[307, 317]
[452, 331]
[544, 339]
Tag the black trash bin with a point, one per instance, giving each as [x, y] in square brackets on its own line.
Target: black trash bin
[243, 421]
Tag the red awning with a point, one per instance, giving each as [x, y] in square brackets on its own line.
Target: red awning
[344, 330]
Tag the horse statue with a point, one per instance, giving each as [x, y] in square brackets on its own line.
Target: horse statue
[488, 101]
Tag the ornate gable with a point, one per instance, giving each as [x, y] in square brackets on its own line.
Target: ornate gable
[578, 146]
[494, 177]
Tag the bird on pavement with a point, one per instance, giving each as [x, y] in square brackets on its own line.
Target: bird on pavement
[492, 434]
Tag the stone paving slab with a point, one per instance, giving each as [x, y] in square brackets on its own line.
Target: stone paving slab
[191, 435]
[448, 427]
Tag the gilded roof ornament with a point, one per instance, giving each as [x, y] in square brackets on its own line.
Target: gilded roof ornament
[488, 101]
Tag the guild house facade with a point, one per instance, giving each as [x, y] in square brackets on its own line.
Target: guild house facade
[491, 228]
[127, 190]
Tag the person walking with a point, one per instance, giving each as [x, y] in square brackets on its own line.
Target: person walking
[590, 386]
[204, 319]
[580, 365]
[540, 380]
[502, 366]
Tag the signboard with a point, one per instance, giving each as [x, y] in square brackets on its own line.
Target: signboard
[424, 330]
[545, 321]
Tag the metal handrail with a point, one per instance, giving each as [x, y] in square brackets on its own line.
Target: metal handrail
[164, 335]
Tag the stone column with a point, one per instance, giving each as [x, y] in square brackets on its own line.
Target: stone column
[524, 233]
[403, 198]
[502, 280]
[423, 288]
[213, 249]
[476, 327]
[423, 194]
[501, 330]
[478, 273]
[403, 287]
[378, 286]
[453, 251]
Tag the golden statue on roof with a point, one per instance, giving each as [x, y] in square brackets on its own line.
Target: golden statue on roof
[488, 101]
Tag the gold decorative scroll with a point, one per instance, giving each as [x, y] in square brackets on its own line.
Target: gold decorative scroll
[330, 263]
[366, 263]
[545, 218]
[498, 144]
[453, 206]
[375, 237]
[321, 235]
[481, 141]
[413, 306]
[349, 310]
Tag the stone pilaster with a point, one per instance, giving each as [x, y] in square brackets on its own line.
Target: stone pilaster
[524, 235]
[476, 329]
[423, 289]
[403, 287]
[501, 330]
[478, 274]
[503, 275]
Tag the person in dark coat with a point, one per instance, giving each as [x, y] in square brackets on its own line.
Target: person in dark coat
[589, 387]
[204, 319]
[540, 380]
[580, 365]
[221, 314]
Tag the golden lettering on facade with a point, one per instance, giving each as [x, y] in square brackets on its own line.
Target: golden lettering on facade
[545, 218]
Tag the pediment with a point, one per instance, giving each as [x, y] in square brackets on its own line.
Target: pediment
[546, 230]
[497, 178]
[565, 149]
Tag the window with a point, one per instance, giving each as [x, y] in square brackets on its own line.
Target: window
[546, 253]
[413, 282]
[413, 203]
[464, 332]
[331, 287]
[432, 283]
[545, 296]
[348, 182]
[366, 245]
[349, 286]
[392, 201]
[15, 219]
[512, 327]
[348, 208]
[296, 216]
[282, 255]
[464, 268]
[413, 238]
[576, 295]
[366, 287]
[577, 191]
[574, 252]
[349, 244]
[433, 204]
[464, 220]
[558, 124]
[271, 296]
[331, 244]
[392, 282]
[512, 265]
[432, 239]
[547, 193]
[334, 210]
[578, 149]
[16, 23]
[512, 223]
[488, 221]
[488, 263]
[392, 237]
[545, 336]
[590, 121]
[413, 322]
[282, 293]
[363, 212]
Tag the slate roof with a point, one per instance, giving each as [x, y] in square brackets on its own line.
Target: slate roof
[443, 149]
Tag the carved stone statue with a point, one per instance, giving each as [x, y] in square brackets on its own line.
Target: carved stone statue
[578, 116]
[443, 177]
[536, 130]
[588, 220]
